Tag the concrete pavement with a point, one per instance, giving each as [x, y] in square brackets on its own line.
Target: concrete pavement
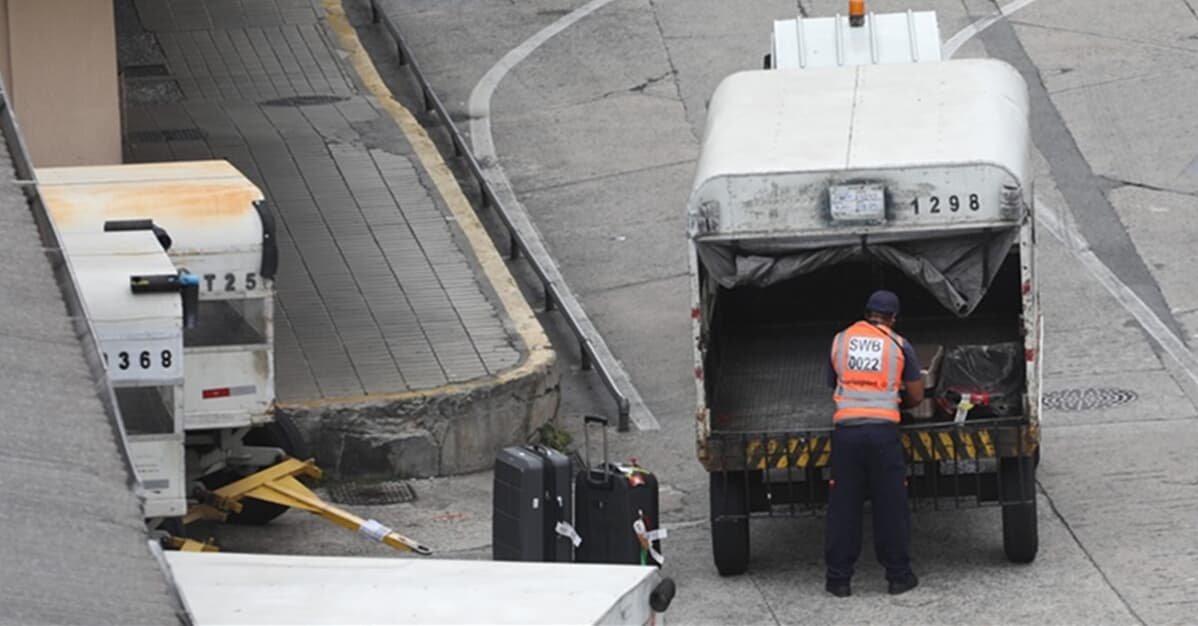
[1088, 571]
[401, 346]
[595, 130]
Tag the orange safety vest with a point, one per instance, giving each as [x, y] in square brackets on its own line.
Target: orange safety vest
[868, 361]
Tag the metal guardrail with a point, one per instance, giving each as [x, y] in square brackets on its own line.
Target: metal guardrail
[517, 246]
[65, 277]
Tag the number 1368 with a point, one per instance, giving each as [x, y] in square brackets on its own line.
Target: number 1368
[145, 359]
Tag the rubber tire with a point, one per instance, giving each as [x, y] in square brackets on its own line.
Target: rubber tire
[1020, 527]
[729, 538]
[282, 434]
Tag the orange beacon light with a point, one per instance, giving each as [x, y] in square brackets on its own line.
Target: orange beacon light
[856, 12]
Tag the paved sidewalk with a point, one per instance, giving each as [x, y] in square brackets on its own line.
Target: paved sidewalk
[377, 291]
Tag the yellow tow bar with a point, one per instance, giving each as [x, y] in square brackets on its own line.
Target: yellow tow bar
[278, 484]
[190, 545]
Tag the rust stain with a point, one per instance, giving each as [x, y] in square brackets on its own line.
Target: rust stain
[262, 364]
[189, 192]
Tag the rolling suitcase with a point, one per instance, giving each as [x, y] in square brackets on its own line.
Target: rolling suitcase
[559, 509]
[531, 499]
[616, 510]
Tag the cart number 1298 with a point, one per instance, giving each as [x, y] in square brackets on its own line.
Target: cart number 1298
[946, 204]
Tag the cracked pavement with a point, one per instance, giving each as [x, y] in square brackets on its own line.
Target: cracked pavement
[606, 180]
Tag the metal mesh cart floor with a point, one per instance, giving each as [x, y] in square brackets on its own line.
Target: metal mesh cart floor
[773, 378]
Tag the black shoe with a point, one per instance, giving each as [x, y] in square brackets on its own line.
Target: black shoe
[840, 589]
[903, 585]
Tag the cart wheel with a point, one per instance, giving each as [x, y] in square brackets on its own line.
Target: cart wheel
[1020, 531]
[174, 527]
[729, 537]
[282, 434]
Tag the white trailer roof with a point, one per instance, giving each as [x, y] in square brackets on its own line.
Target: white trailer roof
[806, 42]
[206, 206]
[867, 117]
[227, 588]
[952, 133]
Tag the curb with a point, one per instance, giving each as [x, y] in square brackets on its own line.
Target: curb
[455, 428]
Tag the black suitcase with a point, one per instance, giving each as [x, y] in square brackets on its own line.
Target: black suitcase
[531, 497]
[559, 501]
[609, 501]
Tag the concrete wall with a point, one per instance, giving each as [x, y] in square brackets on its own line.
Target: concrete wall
[448, 431]
[5, 62]
[59, 63]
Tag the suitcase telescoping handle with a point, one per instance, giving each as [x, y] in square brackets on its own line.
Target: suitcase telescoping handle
[586, 434]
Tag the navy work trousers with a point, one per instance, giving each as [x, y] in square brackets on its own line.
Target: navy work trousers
[868, 459]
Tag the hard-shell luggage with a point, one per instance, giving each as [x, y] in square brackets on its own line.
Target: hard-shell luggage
[531, 498]
[560, 504]
[616, 511]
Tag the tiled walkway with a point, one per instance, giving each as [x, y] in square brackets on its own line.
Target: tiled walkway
[377, 292]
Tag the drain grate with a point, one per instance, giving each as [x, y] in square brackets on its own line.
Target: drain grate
[166, 134]
[387, 492]
[301, 101]
[1088, 398]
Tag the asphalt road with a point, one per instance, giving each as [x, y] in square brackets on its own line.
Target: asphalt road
[597, 130]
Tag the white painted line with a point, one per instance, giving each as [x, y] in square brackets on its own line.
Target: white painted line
[1060, 225]
[483, 145]
[955, 42]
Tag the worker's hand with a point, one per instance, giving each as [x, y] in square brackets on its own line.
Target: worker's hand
[912, 393]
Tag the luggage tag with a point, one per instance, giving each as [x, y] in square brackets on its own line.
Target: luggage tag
[963, 408]
[373, 529]
[566, 530]
[635, 479]
[634, 473]
[646, 539]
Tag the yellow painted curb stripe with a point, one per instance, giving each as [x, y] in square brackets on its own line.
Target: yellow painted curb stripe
[540, 353]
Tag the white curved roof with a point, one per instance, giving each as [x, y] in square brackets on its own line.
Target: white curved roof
[205, 206]
[867, 117]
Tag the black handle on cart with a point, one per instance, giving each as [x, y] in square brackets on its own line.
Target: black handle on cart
[155, 283]
[187, 284]
[164, 239]
[270, 247]
[587, 420]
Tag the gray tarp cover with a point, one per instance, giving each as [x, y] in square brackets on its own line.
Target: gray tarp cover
[956, 270]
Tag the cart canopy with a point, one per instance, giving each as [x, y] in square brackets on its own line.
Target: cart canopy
[920, 165]
[212, 212]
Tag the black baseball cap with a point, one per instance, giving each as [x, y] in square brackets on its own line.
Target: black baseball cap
[884, 302]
